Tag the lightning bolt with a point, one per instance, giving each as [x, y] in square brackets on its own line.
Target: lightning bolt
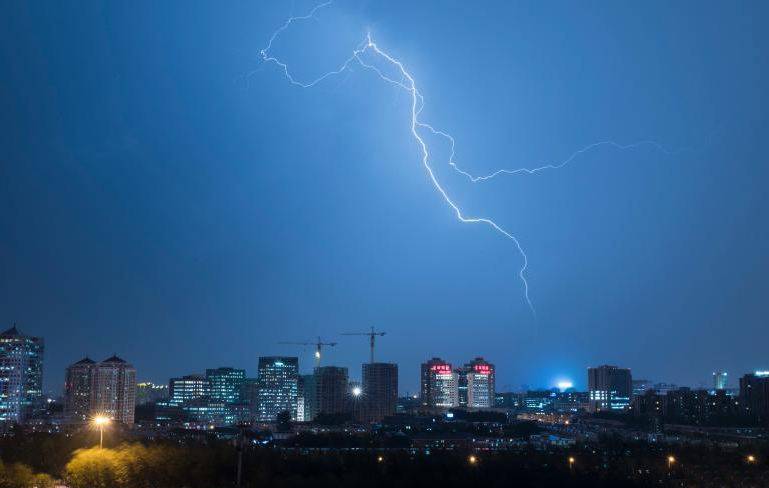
[408, 84]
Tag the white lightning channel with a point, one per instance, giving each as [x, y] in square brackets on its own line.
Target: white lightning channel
[408, 84]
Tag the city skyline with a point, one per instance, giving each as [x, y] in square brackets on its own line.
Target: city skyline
[178, 198]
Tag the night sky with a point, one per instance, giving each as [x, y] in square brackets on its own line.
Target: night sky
[166, 196]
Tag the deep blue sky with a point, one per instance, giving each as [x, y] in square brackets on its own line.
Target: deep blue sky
[167, 197]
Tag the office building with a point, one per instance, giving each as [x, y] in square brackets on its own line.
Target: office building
[277, 387]
[307, 398]
[720, 380]
[439, 384]
[379, 390]
[331, 390]
[481, 383]
[187, 388]
[610, 388]
[21, 375]
[226, 384]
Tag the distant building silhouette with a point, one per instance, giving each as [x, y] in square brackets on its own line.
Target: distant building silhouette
[379, 390]
[754, 395]
[331, 390]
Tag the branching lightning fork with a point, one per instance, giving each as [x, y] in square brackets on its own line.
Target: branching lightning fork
[408, 84]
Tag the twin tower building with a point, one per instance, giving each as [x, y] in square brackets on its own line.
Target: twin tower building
[470, 386]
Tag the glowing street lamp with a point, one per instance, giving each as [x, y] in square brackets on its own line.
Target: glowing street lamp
[472, 459]
[100, 421]
[671, 461]
[380, 459]
[751, 458]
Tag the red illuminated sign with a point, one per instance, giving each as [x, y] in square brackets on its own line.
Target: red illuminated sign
[482, 368]
[441, 368]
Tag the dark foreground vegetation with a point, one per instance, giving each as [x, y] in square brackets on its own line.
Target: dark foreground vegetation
[37, 460]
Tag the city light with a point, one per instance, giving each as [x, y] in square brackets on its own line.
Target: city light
[357, 391]
[380, 459]
[671, 461]
[564, 385]
[472, 459]
[100, 421]
[751, 458]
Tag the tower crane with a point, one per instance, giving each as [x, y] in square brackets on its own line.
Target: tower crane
[371, 334]
[318, 345]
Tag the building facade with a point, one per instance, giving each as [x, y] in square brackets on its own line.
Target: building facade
[439, 384]
[720, 380]
[107, 389]
[481, 383]
[226, 384]
[754, 395]
[114, 393]
[21, 375]
[610, 388]
[278, 387]
[331, 390]
[379, 390]
[78, 384]
[185, 389]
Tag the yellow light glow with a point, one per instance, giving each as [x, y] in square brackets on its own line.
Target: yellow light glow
[379, 459]
[100, 420]
[472, 459]
[572, 460]
[751, 458]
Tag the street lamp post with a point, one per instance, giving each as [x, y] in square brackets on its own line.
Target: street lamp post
[100, 421]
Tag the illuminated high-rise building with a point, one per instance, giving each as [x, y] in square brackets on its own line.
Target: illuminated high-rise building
[185, 389]
[21, 375]
[379, 390]
[307, 402]
[720, 379]
[610, 387]
[114, 390]
[439, 384]
[278, 387]
[226, 384]
[481, 383]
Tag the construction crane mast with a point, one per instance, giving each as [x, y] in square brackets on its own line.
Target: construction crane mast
[318, 345]
[372, 335]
